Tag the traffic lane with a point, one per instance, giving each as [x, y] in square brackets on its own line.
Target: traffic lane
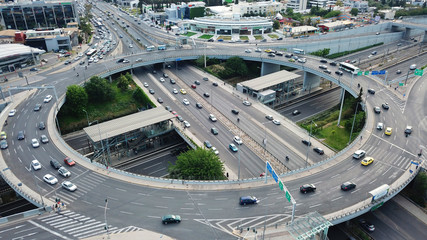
[393, 222]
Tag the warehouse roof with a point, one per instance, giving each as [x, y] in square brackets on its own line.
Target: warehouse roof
[126, 124]
[269, 80]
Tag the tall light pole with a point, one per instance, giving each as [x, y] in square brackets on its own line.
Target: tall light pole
[38, 187]
[87, 117]
[308, 144]
[105, 218]
[352, 126]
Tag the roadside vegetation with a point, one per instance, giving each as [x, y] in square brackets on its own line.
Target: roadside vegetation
[325, 52]
[417, 189]
[206, 36]
[102, 101]
[197, 164]
[324, 126]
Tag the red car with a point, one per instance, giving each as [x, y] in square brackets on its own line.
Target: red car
[69, 161]
[193, 86]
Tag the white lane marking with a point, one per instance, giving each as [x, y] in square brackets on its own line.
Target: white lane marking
[336, 199]
[136, 203]
[315, 205]
[164, 207]
[123, 190]
[129, 213]
[48, 230]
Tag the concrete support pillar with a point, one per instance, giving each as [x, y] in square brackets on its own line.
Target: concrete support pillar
[310, 81]
[425, 37]
[342, 104]
[407, 34]
[267, 68]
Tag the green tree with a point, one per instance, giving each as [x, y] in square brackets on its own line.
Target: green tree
[276, 24]
[419, 188]
[199, 164]
[76, 100]
[129, 78]
[332, 14]
[123, 83]
[289, 12]
[99, 90]
[142, 98]
[322, 52]
[354, 11]
[237, 65]
[339, 3]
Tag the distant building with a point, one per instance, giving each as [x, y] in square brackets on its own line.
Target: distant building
[297, 5]
[52, 39]
[333, 26]
[362, 6]
[29, 15]
[265, 7]
[12, 56]
[128, 3]
[388, 14]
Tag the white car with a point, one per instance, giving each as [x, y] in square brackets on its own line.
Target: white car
[35, 164]
[247, 103]
[12, 112]
[47, 98]
[145, 84]
[69, 186]
[380, 126]
[302, 60]
[238, 140]
[248, 51]
[277, 122]
[50, 179]
[175, 91]
[212, 118]
[64, 172]
[138, 60]
[214, 150]
[35, 143]
[186, 124]
[186, 102]
[162, 80]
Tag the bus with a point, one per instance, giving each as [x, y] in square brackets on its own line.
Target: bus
[349, 67]
[150, 48]
[91, 52]
[161, 47]
[299, 51]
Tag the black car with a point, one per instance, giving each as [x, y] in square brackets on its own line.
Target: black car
[120, 60]
[371, 91]
[206, 94]
[151, 91]
[55, 164]
[82, 62]
[215, 84]
[21, 135]
[248, 200]
[280, 38]
[214, 131]
[296, 112]
[408, 130]
[171, 219]
[367, 225]
[165, 75]
[333, 63]
[385, 106]
[160, 100]
[208, 144]
[319, 150]
[327, 71]
[347, 186]
[199, 105]
[324, 61]
[37, 107]
[206, 79]
[306, 142]
[210, 40]
[235, 111]
[42, 126]
[172, 81]
[307, 188]
[339, 72]
[197, 82]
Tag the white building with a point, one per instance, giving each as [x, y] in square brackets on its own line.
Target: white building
[128, 3]
[258, 7]
[297, 5]
[362, 6]
[388, 14]
[319, 3]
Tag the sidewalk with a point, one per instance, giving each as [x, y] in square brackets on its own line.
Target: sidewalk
[144, 234]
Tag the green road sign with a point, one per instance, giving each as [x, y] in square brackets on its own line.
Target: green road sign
[360, 73]
[366, 72]
[281, 185]
[377, 206]
[418, 72]
[401, 84]
[288, 196]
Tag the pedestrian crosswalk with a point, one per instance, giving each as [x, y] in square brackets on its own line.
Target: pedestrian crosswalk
[84, 185]
[79, 226]
[401, 103]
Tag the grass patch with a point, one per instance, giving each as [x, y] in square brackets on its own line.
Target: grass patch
[206, 36]
[244, 38]
[340, 54]
[335, 136]
[273, 36]
[225, 38]
[189, 34]
[258, 37]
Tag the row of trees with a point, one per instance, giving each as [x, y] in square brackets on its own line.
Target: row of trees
[233, 67]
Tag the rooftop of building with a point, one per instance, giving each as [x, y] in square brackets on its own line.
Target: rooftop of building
[8, 50]
[264, 82]
[28, 2]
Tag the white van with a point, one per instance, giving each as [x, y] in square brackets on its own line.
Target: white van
[359, 154]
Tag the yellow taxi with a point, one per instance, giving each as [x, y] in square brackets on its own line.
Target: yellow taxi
[183, 91]
[268, 51]
[3, 135]
[367, 160]
[388, 131]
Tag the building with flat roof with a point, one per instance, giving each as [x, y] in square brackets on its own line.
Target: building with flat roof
[333, 26]
[52, 39]
[297, 5]
[28, 15]
[229, 26]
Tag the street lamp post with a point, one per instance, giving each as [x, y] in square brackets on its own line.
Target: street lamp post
[308, 145]
[87, 117]
[38, 187]
[352, 126]
[105, 218]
